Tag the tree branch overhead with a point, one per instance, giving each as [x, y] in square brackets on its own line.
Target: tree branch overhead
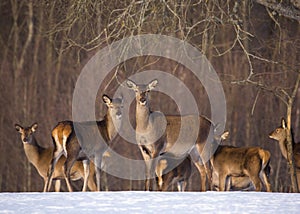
[289, 10]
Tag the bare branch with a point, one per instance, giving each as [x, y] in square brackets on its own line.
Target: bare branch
[29, 36]
[287, 10]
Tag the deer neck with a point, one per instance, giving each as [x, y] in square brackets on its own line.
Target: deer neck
[113, 125]
[142, 117]
[33, 151]
[283, 147]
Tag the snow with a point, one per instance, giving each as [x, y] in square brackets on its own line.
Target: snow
[150, 202]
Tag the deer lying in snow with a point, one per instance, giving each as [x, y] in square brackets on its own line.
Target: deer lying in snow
[41, 157]
[229, 162]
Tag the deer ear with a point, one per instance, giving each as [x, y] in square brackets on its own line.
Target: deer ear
[106, 100]
[130, 84]
[34, 127]
[283, 123]
[18, 127]
[152, 84]
[225, 135]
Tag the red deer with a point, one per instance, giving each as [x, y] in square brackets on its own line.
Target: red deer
[153, 140]
[41, 157]
[234, 183]
[240, 183]
[280, 134]
[178, 175]
[66, 140]
[230, 161]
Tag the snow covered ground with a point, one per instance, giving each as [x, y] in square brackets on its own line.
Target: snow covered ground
[150, 202]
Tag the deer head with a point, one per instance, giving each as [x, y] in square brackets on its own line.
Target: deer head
[114, 106]
[26, 133]
[141, 91]
[279, 133]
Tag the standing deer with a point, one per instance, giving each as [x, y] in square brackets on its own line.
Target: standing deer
[152, 142]
[230, 161]
[241, 183]
[41, 157]
[179, 175]
[66, 142]
[280, 134]
[235, 183]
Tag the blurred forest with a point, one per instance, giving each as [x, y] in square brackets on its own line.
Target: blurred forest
[254, 46]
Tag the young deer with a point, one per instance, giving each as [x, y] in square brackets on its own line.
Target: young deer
[153, 140]
[230, 161]
[41, 157]
[280, 134]
[179, 175]
[66, 142]
[236, 183]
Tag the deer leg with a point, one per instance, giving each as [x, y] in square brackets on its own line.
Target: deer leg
[86, 167]
[45, 184]
[56, 156]
[202, 172]
[228, 183]
[97, 162]
[91, 182]
[208, 173]
[148, 165]
[184, 186]
[298, 178]
[98, 178]
[67, 169]
[222, 181]
[67, 179]
[266, 182]
[104, 168]
[159, 182]
[256, 181]
[148, 175]
[159, 173]
[195, 156]
[152, 172]
[181, 185]
[49, 179]
[57, 185]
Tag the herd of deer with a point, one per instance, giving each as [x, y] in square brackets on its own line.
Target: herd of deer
[229, 168]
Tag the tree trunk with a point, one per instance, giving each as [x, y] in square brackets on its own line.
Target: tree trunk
[290, 156]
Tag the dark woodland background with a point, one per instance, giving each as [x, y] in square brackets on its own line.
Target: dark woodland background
[254, 46]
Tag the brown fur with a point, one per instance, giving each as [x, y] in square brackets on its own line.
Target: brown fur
[280, 134]
[229, 161]
[153, 142]
[41, 157]
[66, 142]
[199, 155]
[179, 175]
[237, 183]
